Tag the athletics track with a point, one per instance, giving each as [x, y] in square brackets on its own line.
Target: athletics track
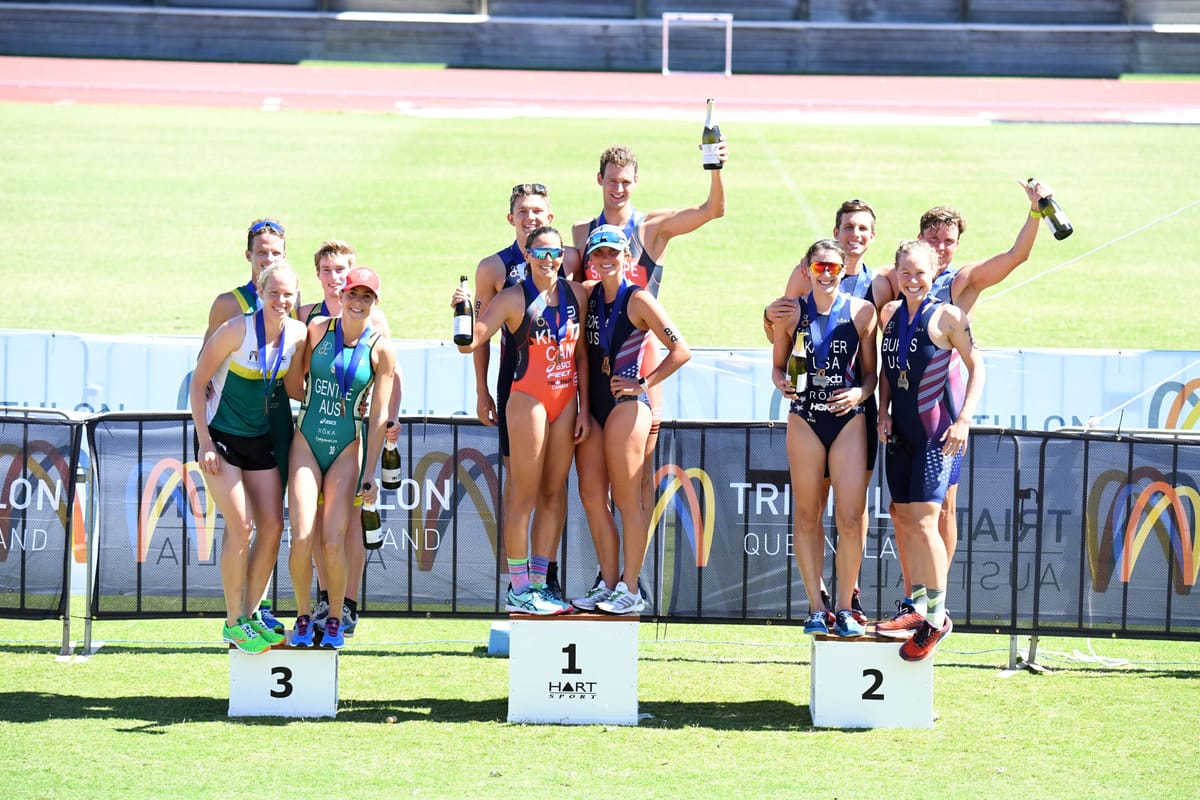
[499, 93]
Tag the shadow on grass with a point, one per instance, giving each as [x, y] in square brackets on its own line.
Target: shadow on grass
[147, 714]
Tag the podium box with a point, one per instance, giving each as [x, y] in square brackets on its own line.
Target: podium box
[283, 682]
[864, 683]
[574, 669]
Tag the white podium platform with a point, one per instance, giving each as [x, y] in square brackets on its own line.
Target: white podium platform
[863, 683]
[574, 669]
[283, 682]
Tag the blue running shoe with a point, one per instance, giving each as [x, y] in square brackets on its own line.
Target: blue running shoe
[268, 619]
[333, 637]
[302, 633]
[349, 621]
[815, 623]
[847, 625]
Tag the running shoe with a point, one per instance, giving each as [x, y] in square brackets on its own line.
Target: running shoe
[856, 608]
[622, 601]
[904, 624]
[332, 638]
[242, 636]
[830, 617]
[923, 642]
[268, 619]
[596, 594]
[269, 636]
[816, 622]
[302, 632]
[349, 621]
[531, 601]
[846, 625]
[320, 613]
[552, 594]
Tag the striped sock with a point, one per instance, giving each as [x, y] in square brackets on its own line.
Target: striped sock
[935, 615]
[518, 572]
[919, 601]
[537, 570]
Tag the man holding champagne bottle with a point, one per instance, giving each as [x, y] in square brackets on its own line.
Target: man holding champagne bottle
[648, 234]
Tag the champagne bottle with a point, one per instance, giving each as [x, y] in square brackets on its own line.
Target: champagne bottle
[1055, 217]
[798, 363]
[464, 319]
[709, 139]
[372, 527]
[391, 477]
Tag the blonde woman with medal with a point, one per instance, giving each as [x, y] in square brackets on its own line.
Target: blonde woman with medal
[826, 434]
[231, 391]
[924, 416]
[345, 359]
[547, 410]
[620, 315]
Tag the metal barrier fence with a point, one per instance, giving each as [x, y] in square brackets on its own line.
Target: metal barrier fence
[1066, 533]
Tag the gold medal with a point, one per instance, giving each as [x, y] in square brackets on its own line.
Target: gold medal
[606, 367]
[819, 379]
[902, 381]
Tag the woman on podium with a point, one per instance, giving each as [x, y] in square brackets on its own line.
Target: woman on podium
[824, 360]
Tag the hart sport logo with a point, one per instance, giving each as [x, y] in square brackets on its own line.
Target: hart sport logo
[1123, 516]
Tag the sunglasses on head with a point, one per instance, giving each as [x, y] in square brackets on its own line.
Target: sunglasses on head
[266, 225]
[831, 267]
[546, 252]
[530, 188]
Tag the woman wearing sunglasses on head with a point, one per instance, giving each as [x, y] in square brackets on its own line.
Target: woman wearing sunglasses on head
[620, 315]
[826, 433]
[547, 410]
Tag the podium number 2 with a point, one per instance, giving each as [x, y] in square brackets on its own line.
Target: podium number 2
[571, 668]
[284, 676]
[872, 692]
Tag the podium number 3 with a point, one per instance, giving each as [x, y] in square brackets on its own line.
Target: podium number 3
[571, 669]
[284, 682]
[872, 692]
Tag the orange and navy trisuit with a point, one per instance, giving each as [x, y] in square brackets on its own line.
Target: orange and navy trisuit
[544, 363]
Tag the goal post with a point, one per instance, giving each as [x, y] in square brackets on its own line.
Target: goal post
[696, 19]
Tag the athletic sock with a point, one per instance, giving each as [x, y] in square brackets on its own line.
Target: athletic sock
[352, 605]
[518, 572]
[537, 570]
[552, 572]
[920, 602]
[935, 614]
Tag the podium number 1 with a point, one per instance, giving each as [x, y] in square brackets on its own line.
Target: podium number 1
[571, 668]
[872, 692]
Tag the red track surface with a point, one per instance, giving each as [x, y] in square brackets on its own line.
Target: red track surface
[499, 93]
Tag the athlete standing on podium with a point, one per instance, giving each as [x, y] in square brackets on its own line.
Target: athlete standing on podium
[647, 234]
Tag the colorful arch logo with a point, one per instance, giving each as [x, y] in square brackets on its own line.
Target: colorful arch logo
[170, 482]
[469, 465]
[48, 467]
[1122, 515]
[1184, 409]
[679, 492]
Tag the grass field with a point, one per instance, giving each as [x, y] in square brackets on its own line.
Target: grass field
[138, 214]
[728, 705]
[134, 218]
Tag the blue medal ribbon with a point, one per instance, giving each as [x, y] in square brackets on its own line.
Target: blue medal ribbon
[260, 332]
[251, 291]
[906, 329]
[820, 334]
[607, 315]
[344, 374]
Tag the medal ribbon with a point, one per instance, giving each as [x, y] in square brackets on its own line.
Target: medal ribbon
[608, 318]
[820, 335]
[345, 374]
[560, 321]
[906, 329]
[252, 292]
[260, 333]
